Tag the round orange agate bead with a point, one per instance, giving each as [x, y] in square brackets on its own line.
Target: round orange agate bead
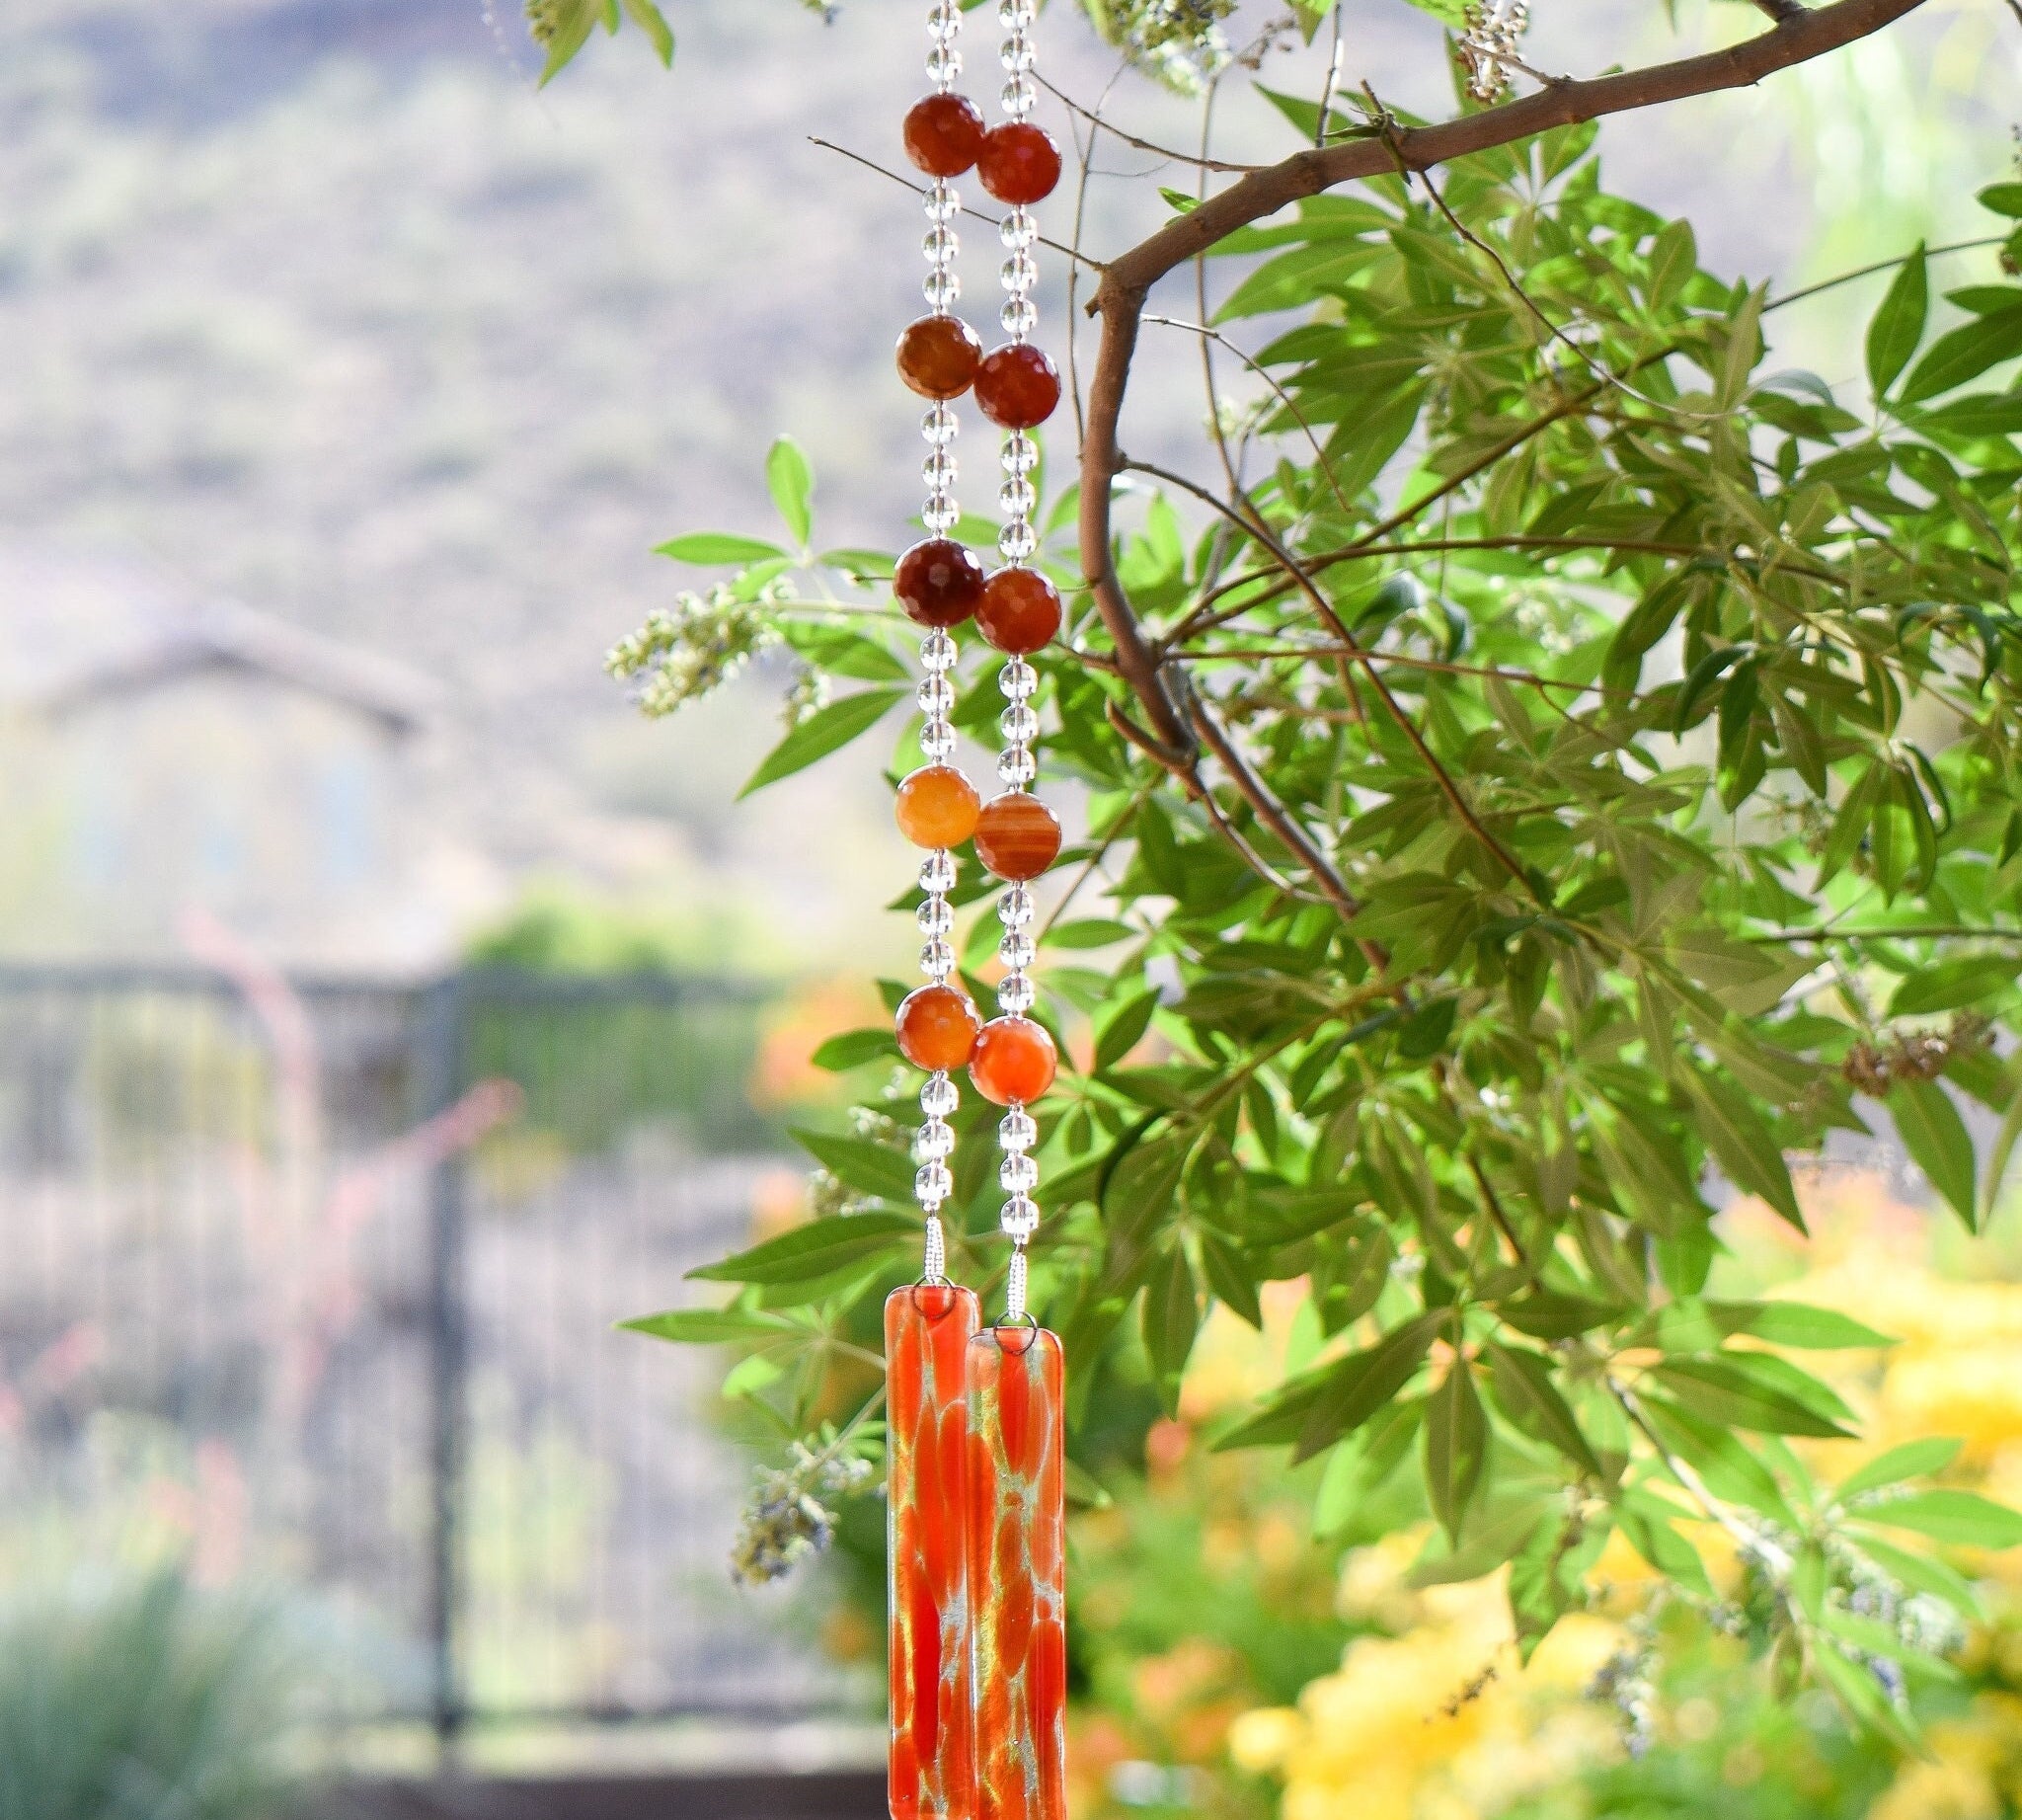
[937, 1028]
[937, 807]
[938, 357]
[1014, 1062]
[1017, 836]
[1018, 163]
[1019, 611]
[944, 133]
[1017, 387]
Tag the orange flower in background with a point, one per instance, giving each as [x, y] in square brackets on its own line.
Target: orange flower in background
[784, 1074]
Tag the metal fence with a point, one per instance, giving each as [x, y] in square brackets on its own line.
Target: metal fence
[314, 1282]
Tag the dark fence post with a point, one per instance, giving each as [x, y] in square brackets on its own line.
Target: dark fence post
[442, 1059]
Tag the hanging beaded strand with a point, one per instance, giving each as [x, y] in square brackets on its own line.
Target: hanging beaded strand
[1017, 836]
[1016, 1371]
[928, 1324]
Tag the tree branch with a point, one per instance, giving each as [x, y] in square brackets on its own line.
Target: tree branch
[1126, 280]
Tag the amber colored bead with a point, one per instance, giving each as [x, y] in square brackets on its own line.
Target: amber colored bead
[944, 133]
[1019, 611]
[1014, 1063]
[1017, 386]
[937, 807]
[938, 583]
[937, 1028]
[1019, 163]
[1017, 836]
[938, 357]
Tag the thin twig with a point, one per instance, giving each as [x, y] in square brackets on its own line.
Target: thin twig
[1143, 146]
[898, 176]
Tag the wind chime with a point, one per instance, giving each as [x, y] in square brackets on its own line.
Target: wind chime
[979, 1648]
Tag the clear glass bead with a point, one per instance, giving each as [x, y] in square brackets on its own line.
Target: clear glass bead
[941, 245]
[1017, 542]
[940, 1096]
[1019, 273]
[1018, 317]
[1020, 1218]
[944, 20]
[1015, 909]
[940, 470]
[941, 514]
[1016, 950]
[1019, 726]
[934, 1142]
[933, 1184]
[942, 290]
[944, 66]
[1017, 498]
[1018, 1174]
[1017, 767]
[936, 696]
[1016, 55]
[935, 916]
[1014, 15]
[1018, 230]
[1021, 453]
[942, 203]
[937, 960]
[938, 651]
[1015, 993]
[937, 871]
[937, 740]
[1017, 1130]
[939, 425]
[1018, 680]
[1018, 96]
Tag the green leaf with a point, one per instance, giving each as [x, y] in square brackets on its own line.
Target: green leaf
[1089, 932]
[1119, 1033]
[1962, 1517]
[825, 730]
[817, 1251]
[1648, 1524]
[710, 1326]
[1964, 354]
[1360, 1384]
[1912, 1459]
[1521, 1384]
[1898, 325]
[1456, 1446]
[1950, 986]
[792, 481]
[1720, 1458]
[859, 1163]
[2002, 199]
[1172, 1318]
[649, 19]
[1936, 1138]
[1740, 1138]
[1755, 1392]
[1085, 1491]
[712, 547]
[854, 1047]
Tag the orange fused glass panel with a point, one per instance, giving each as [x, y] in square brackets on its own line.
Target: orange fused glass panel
[927, 1330]
[1017, 1577]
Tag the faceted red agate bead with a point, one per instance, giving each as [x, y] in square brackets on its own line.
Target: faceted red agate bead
[1014, 1063]
[1017, 386]
[937, 1028]
[937, 807]
[943, 134]
[938, 583]
[1019, 611]
[1019, 163]
[1017, 836]
[938, 357]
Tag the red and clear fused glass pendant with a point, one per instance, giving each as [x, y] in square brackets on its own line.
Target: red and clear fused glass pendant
[1017, 1571]
[927, 1330]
